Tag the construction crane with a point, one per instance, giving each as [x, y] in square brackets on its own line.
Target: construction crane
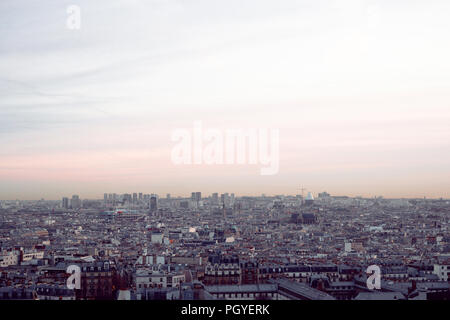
[302, 190]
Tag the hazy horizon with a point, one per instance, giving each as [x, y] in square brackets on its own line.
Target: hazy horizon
[359, 91]
[208, 195]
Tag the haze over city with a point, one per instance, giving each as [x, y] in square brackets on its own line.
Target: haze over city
[359, 91]
[211, 158]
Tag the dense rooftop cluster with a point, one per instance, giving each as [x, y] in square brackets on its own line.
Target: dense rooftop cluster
[225, 247]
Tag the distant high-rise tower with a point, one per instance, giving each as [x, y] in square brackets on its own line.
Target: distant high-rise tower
[224, 211]
[75, 203]
[225, 199]
[153, 204]
[309, 200]
[65, 203]
[215, 198]
[196, 196]
[324, 195]
[127, 197]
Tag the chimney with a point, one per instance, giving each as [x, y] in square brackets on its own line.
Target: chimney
[320, 285]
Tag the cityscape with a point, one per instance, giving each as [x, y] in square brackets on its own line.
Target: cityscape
[224, 159]
[140, 246]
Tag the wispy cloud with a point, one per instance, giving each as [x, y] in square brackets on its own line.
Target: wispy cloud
[350, 84]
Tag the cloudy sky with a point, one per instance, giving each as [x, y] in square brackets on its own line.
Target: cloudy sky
[359, 90]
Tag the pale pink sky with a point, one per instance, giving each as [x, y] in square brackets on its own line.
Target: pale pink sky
[359, 91]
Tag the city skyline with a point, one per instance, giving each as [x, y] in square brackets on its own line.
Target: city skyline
[133, 247]
[206, 195]
[213, 158]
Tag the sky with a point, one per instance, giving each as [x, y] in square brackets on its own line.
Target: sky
[359, 91]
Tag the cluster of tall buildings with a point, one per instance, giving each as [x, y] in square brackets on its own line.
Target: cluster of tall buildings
[73, 203]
